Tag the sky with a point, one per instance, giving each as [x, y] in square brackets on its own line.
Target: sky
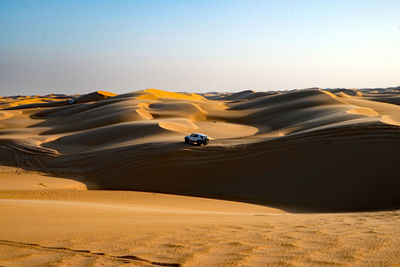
[197, 46]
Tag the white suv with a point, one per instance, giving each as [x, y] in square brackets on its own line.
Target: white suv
[197, 139]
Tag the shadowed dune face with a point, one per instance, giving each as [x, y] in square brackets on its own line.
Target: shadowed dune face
[90, 116]
[334, 149]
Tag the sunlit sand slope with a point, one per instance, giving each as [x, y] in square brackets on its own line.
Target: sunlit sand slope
[99, 228]
[331, 149]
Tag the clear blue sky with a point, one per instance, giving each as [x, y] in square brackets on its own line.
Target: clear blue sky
[121, 46]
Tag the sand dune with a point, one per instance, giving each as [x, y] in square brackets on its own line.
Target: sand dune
[297, 148]
[19, 179]
[64, 228]
[295, 155]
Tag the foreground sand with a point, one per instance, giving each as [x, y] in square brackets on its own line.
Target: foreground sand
[113, 228]
[20, 179]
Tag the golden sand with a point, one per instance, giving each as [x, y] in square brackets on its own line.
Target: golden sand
[298, 178]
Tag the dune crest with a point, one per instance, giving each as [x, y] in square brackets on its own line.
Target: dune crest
[155, 94]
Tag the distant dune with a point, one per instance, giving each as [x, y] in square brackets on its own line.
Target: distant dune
[331, 149]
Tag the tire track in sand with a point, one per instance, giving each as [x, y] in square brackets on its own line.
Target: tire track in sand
[88, 253]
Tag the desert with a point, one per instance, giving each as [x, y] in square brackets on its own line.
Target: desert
[303, 177]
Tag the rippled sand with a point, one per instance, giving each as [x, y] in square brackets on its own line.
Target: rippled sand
[92, 228]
